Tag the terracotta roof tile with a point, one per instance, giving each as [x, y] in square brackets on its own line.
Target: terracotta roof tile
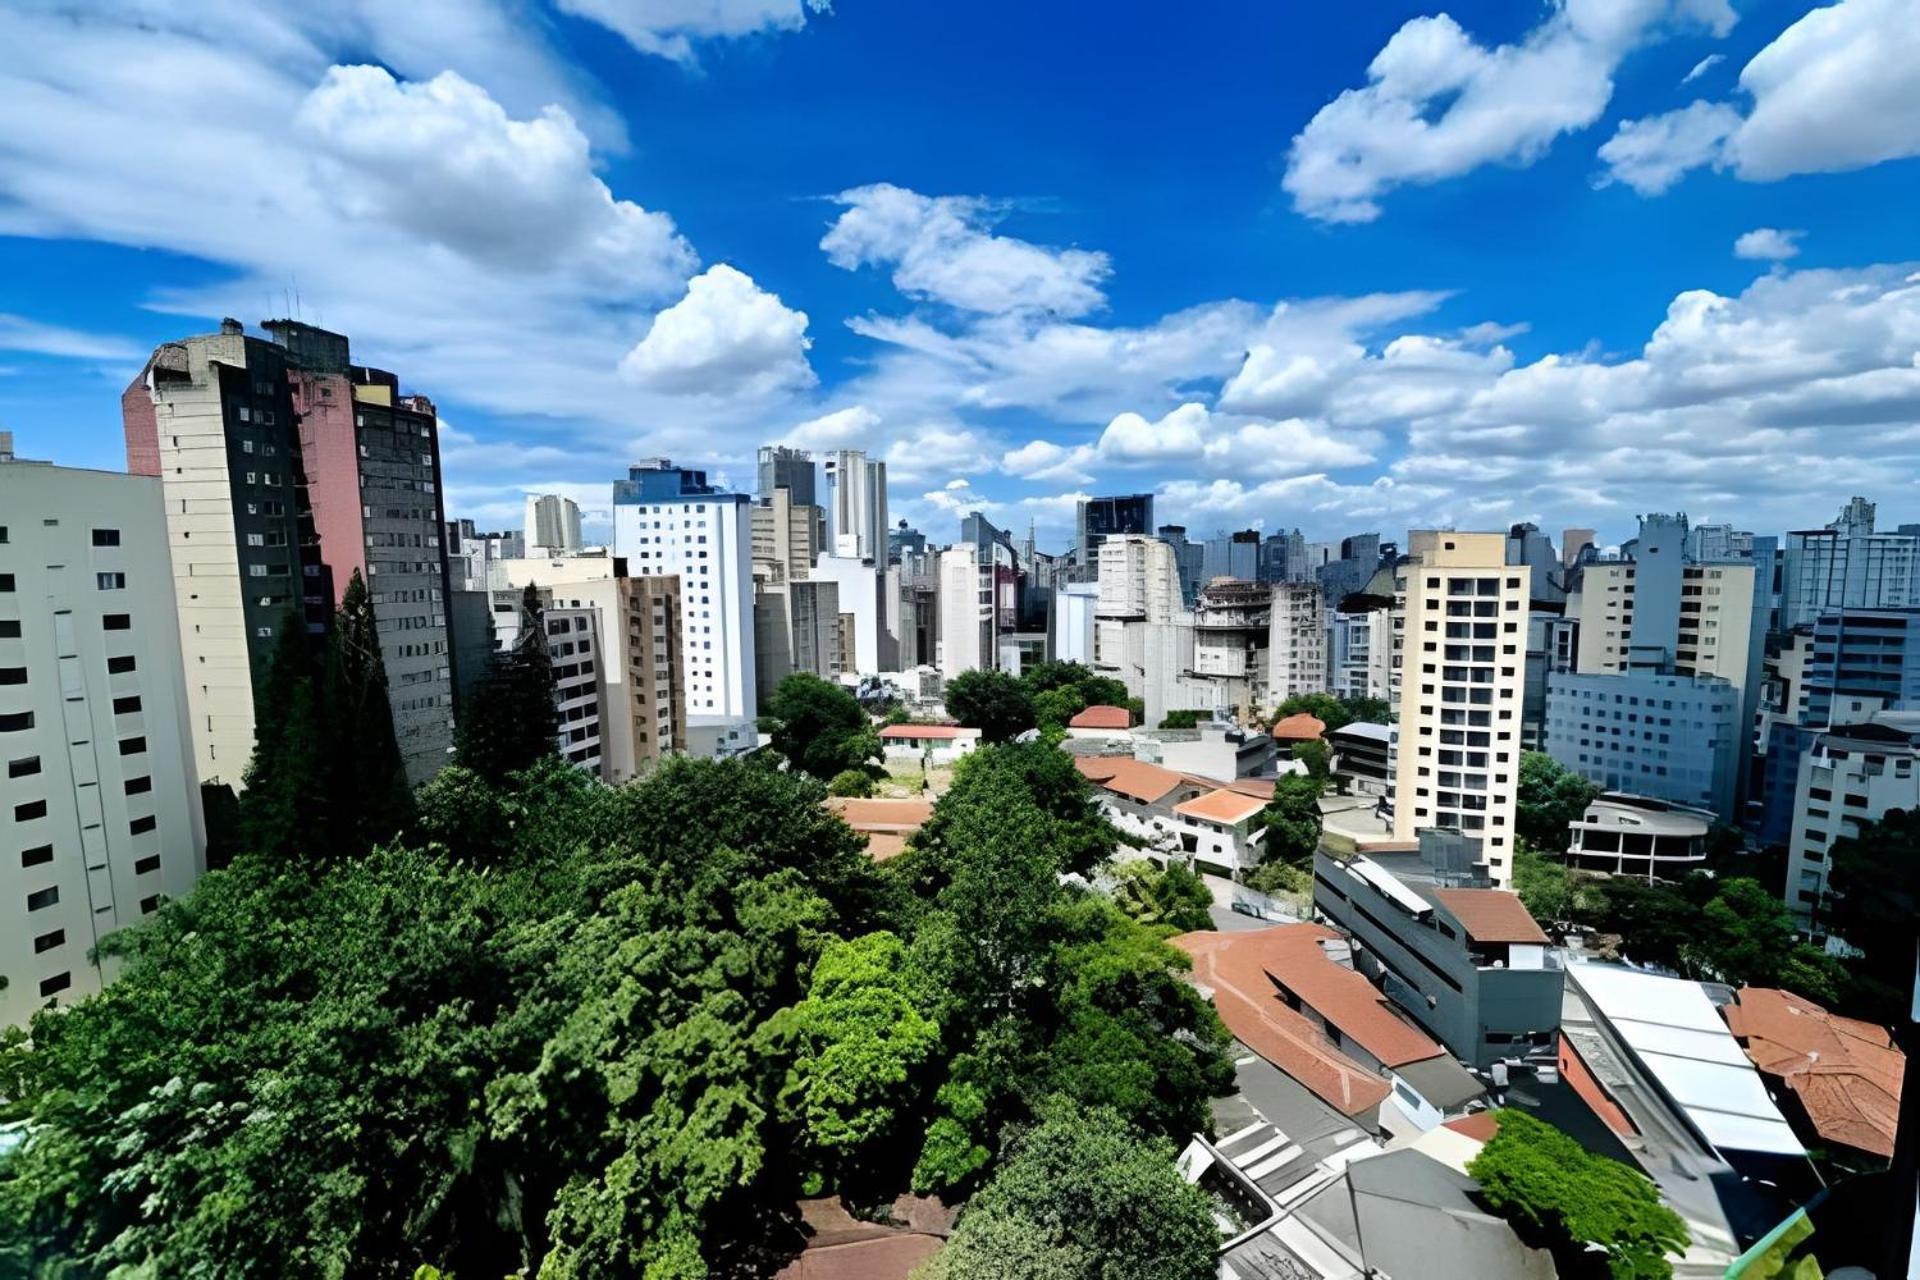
[1245, 970]
[1102, 718]
[1135, 779]
[927, 731]
[1491, 915]
[1226, 807]
[1845, 1072]
[885, 823]
[1480, 1126]
[1299, 727]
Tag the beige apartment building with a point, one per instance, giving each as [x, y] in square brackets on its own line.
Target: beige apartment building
[1461, 672]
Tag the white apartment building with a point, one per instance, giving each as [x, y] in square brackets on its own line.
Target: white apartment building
[1360, 654]
[856, 505]
[861, 586]
[668, 521]
[1462, 671]
[1143, 634]
[1848, 565]
[1297, 641]
[553, 524]
[1073, 621]
[99, 801]
[966, 621]
[1853, 774]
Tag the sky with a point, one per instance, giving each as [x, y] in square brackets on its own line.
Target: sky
[1343, 268]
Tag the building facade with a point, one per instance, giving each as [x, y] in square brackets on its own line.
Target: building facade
[1847, 565]
[552, 524]
[669, 522]
[100, 816]
[1675, 738]
[1098, 519]
[1461, 663]
[1297, 642]
[857, 523]
[1852, 774]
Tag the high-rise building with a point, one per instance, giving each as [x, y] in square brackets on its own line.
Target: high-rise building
[905, 541]
[669, 522]
[1672, 737]
[865, 639]
[286, 469]
[1719, 542]
[1232, 555]
[1143, 636]
[1189, 560]
[552, 525]
[99, 803]
[999, 584]
[1851, 775]
[790, 469]
[784, 536]
[1101, 518]
[1848, 566]
[1359, 652]
[1463, 623]
[966, 620]
[1359, 561]
[1297, 648]
[473, 557]
[856, 505]
[1573, 543]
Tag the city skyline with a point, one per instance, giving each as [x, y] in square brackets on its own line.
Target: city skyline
[1401, 303]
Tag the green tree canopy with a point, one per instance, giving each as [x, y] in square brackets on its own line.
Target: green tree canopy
[1873, 899]
[995, 703]
[1082, 1196]
[1324, 707]
[1551, 1188]
[850, 782]
[819, 726]
[1174, 898]
[1292, 819]
[1549, 798]
[285, 807]
[508, 721]
[1317, 756]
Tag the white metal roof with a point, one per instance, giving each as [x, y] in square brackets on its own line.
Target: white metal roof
[1676, 1033]
[1389, 884]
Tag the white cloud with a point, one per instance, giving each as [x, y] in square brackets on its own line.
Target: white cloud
[1768, 244]
[1439, 104]
[1180, 434]
[1045, 460]
[1834, 91]
[1703, 66]
[727, 337]
[670, 27]
[851, 428]
[1652, 154]
[940, 250]
[919, 452]
[17, 333]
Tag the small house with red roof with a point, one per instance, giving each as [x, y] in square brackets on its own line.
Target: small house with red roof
[1101, 723]
[933, 743]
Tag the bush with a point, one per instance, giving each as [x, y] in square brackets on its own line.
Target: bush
[857, 783]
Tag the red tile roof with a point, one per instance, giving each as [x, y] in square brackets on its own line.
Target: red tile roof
[1574, 1070]
[1491, 915]
[1480, 1126]
[885, 823]
[1845, 1072]
[1102, 718]
[1299, 727]
[925, 731]
[1226, 807]
[1135, 779]
[1242, 970]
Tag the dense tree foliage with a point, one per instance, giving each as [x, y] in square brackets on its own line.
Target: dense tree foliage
[851, 782]
[1873, 899]
[995, 703]
[1082, 1197]
[819, 727]
[508, 721]
[579, 1031]
[1184, 718]
[1317, 756]
[1292, 819]
[1586, 1208]
[1549, 797]
[1061, 690]
[1173, 898]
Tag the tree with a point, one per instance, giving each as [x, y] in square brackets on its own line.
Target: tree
[1292, 819]
[364, 772]
[1873, 898]
[1317, 756]
[819, 726]
[1364, 710]
[1549, 797]
[1052, 708]
[857, 783]
[1183, 718]
[1544, 885]
[995, 703]
[284, 806]
[1174, 898]
[1747, 937]
[1552, 1189]
[1324, 707]
[509, 721]
[1081, 1196]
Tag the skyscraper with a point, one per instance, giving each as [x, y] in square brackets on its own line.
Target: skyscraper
[1457, 746]
[552, 525]
[1848, 565]
[99, 802]
[286, 469]
[668, 520]
[791, 469]
[856, 506]
[1101, 518]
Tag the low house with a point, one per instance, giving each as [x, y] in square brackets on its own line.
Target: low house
[1840, 1076]
[931, 743]
[1102, 724]
[1286, 998]
[1221, 831]
[886, 824]
[1220, 750]
[1465, 960]
[1214, 826]
[1288, 731]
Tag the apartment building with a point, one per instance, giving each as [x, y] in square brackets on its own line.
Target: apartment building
[966, 621]
[286, 469]
[856, 505]
[1462, 628]
[552, 524]
[1097, 519]
[1846, 565]
[785, 536]
[100, 813]
[1297, 642]
[669, 522]
[1852, 774]
[1360, 654]
[473, 555]
[1669, 737]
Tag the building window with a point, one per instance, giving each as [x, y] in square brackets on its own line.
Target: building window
[140, 826]
[37, 856]
[110, 581]
[24, 767]
[121, 665]
[149, 905]
[106, 537]
[30, 810]
[9, 629]
[58, 982]
[41, 899]
[147, 865]
[13, 675]
[16, 722]
[48, 941]
[132, 746]
[126, 706]
[6, 582]
[116, 622]
[139, 786]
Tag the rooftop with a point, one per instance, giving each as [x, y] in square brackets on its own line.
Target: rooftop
[1364, 731]
[1102, 718]
[1223, 806]
[1490, 915]
[885, 823]
[1135, 779]
[1299, 727]
[1846, 1073]
[1619, 809]
[895, 732]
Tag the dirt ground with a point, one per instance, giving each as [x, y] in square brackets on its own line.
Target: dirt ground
[904, 781]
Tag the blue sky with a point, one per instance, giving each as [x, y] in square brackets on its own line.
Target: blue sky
[1341, 267]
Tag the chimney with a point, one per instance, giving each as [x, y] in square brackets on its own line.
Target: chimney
[231, 327]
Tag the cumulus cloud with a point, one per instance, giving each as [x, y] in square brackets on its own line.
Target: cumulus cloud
[940, 250]
[669, 28]
[1045, 460]
[1180, 434]
[1834, 91]
[850, 428]
[1438, 103]
[1768, 244]
[17, 333]
[727, 337]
